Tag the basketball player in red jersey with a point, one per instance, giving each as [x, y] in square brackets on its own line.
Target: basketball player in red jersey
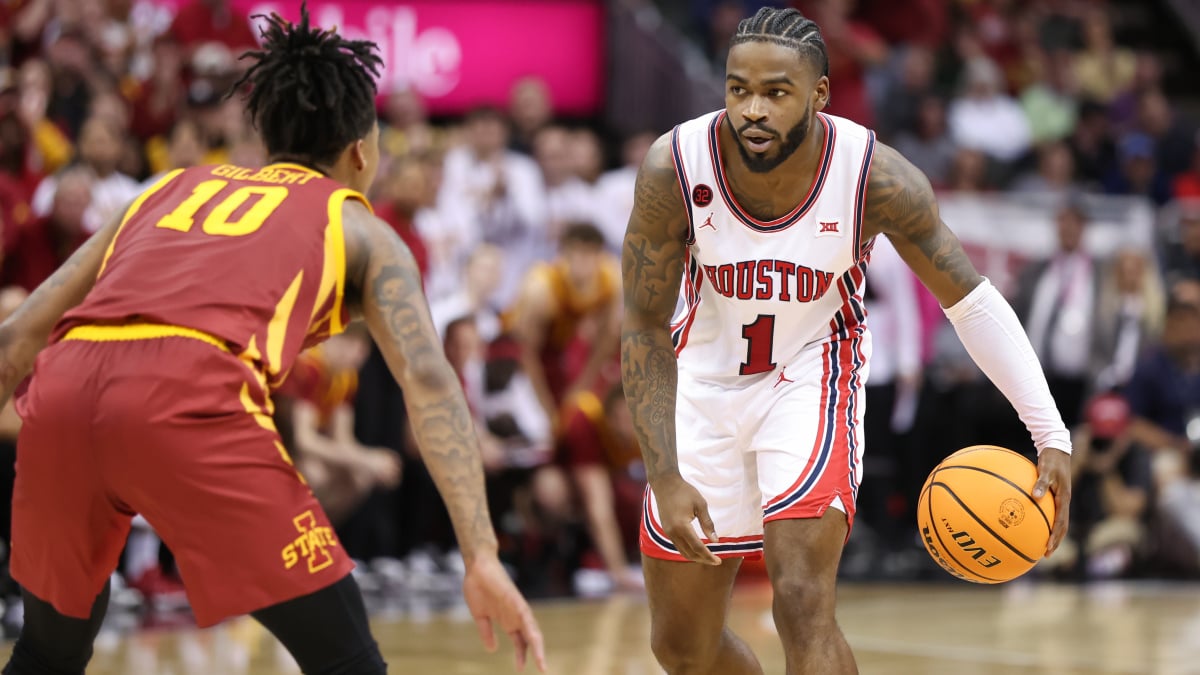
[166, 334]
[746, 400]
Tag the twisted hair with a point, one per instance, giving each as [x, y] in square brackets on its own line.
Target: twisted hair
[787, 27]
[312, 92]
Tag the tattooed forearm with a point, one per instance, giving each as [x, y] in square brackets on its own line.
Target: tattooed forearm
[652, 268]
[901, 205]
[398, 315]
[650, 375]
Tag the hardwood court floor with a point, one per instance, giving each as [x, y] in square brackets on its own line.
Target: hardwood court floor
[895, 630]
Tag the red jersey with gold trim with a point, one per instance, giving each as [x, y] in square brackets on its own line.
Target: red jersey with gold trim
[252, 257]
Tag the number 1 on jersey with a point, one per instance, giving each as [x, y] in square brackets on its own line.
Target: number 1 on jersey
[760, 343]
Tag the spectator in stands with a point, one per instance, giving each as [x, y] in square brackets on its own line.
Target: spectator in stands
[448, 240]
[158, 100]
[906, 93]
[41, 247]
[928, 144]
[405, 126]
[496, 194]
[1055, 175]
[1112, 489]
[1056, 299]
[530, 109]
[407, 189]
[322, 386]
[1050, 100]
[970, 172]
[205, 22]
[1137, 171]
[568, 198]
[1147, 78]
[73, 71]
[854, 49]
[475, 296]
[1173, 135]
[599, 450]
[185, 148]
[1129, 316]
[1164, 396]
[1102, 69]
[985, 118]
[614, 190]
[47, 148]
[1182, 257]
[556, 298]
[1092, 144]
[587, 155]
[1164, 391]
[100, 148]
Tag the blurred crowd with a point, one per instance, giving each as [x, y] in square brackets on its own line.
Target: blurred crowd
[516, 216]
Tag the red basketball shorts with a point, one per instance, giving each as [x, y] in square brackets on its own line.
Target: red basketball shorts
[166, 427]
[780, 445]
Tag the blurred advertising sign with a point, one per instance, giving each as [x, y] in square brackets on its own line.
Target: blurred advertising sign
[460, 53]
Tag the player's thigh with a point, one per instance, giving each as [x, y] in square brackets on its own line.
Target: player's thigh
[713, 460]
[67, 531]
[688, 601]
[245, 528]
[809, 446]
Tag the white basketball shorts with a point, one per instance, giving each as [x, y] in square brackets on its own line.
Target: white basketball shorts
[784, 444]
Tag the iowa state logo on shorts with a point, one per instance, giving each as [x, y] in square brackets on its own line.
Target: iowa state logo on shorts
[312, 545]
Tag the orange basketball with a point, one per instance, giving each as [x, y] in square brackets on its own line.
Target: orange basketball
[978, 517]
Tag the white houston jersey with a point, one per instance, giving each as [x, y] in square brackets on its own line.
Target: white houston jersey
[756, 294]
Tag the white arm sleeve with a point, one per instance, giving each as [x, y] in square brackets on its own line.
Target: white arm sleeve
[993, 336]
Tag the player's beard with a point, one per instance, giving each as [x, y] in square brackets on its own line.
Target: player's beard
[787, 145]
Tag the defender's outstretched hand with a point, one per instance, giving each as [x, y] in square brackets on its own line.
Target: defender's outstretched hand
[492, 597]
[1054, 474]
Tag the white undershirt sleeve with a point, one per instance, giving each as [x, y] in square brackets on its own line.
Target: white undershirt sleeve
[993, 336]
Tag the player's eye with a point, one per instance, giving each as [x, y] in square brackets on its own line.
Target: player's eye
[737, 91]
[776, 93]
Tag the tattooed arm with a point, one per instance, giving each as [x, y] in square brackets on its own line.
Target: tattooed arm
[26, 332]
[383, 271]
[383, 278]
[901, 205]
[652, 268]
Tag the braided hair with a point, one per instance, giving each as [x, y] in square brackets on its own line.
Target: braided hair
[312, 92]
[787, 27]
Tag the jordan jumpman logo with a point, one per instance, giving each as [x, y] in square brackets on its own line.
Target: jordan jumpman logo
[783, 378]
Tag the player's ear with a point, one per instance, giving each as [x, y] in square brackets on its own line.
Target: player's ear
[358, 153]
[821, 94]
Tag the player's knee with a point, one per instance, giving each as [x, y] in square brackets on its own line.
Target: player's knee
[680, 649]
[802, 600]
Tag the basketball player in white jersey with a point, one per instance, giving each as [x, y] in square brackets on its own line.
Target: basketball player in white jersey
[747, 402]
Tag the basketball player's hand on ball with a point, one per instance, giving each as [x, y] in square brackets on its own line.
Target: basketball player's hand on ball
[678, 505]
[1054, 474]
[492, 597]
